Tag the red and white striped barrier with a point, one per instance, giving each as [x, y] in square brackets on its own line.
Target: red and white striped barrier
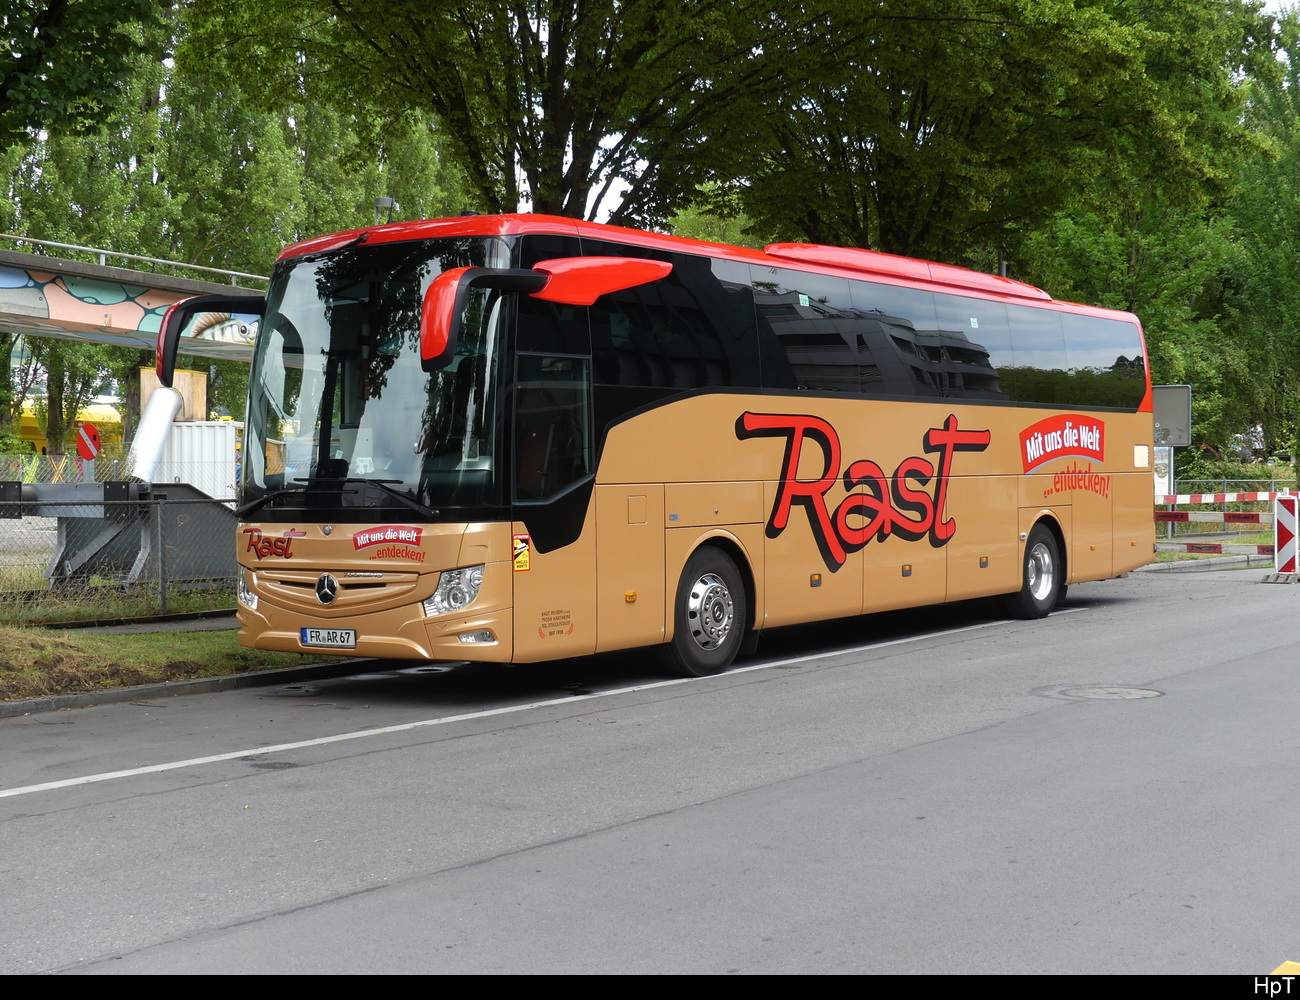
[1224, 516]
[1218, 497]
[1219, 548]
[1284, 533]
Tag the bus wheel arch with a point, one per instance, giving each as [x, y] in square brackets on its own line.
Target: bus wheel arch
[1043, 572]
[711, 610]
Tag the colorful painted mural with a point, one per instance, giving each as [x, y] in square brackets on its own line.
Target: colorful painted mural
[75, 307]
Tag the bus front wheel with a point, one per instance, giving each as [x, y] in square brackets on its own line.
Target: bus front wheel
[709, 615]
[1041, 577]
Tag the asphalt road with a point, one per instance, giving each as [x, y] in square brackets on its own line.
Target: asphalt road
[1107, 790]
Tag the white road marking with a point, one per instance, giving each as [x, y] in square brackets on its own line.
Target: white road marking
[174, 765]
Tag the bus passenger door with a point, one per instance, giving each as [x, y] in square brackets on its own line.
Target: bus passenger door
[554, 532]
[554, 595]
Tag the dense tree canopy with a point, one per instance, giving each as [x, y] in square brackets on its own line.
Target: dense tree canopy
[1136, 155]
[556, 103]
[61, 61]
[180, 166]
[951, 125]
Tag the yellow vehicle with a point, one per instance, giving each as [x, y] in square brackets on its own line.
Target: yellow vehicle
[103, 415]
[515, 438]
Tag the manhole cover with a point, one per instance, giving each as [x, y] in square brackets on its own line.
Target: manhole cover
[1109, 692]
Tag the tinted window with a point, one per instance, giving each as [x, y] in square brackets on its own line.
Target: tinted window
[688, 330]
[970, 345]
[813, 319]
[1105, 359]
[552, 429]
[549, 327]
[1072, 360]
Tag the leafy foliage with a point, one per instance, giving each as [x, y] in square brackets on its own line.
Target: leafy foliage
[182, 167]
[555, 103]
[62, 61]
[946, 127]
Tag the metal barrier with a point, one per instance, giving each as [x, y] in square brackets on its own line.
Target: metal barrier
[1223, 519]
[69, 548]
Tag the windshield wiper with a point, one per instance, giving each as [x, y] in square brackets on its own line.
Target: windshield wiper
[266, 498]
[318, 485]
[383, 484]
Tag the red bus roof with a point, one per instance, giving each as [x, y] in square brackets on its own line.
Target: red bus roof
[891, 268]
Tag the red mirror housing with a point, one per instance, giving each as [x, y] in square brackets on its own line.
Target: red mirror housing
[580, 281]
[444, 304]
[436, 314]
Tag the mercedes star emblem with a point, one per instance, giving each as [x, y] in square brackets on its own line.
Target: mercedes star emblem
[327, 588]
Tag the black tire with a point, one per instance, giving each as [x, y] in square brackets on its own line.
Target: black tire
[710, 616]
[1041, 575]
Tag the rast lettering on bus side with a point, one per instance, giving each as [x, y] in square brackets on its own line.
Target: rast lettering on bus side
[902, 504]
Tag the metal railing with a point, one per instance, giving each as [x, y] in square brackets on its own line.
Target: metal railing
[103, 256]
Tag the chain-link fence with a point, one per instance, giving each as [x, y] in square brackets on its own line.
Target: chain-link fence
[217, 477]
[101, 558]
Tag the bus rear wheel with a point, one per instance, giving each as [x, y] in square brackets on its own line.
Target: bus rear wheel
[709, 616]
[1041, 577]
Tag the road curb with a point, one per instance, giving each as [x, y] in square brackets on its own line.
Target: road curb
[1205, 565]
[172, 689]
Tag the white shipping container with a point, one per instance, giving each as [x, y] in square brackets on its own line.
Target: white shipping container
[202, 453]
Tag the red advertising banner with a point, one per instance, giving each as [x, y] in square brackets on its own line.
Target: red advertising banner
[1067, 435]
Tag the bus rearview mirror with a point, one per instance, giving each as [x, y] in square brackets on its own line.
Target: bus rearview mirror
[179, 322]
[577, 281]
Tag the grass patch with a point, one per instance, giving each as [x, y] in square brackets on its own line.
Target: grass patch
[1168, 557]
[36, 663]
[101, 603]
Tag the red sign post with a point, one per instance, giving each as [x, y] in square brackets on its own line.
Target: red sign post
[87, 441]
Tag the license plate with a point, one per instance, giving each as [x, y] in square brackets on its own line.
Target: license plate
[339, 638]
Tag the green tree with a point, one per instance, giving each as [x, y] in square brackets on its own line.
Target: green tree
[1266, 211]
[74, 373]
[20, 373]
[1178, 270]
[182, 167]
[62, 61]
[555, 103]
[954, 125]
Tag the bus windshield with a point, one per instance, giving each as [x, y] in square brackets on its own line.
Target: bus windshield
[338, 400]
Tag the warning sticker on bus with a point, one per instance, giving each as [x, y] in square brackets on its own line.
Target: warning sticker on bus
[520, 548]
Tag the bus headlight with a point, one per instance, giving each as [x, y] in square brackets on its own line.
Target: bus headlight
[456, 589]
[245, 595]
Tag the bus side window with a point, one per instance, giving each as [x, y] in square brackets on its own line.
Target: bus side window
[552, 429]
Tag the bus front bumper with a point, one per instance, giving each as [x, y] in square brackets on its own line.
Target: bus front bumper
[485, 636]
